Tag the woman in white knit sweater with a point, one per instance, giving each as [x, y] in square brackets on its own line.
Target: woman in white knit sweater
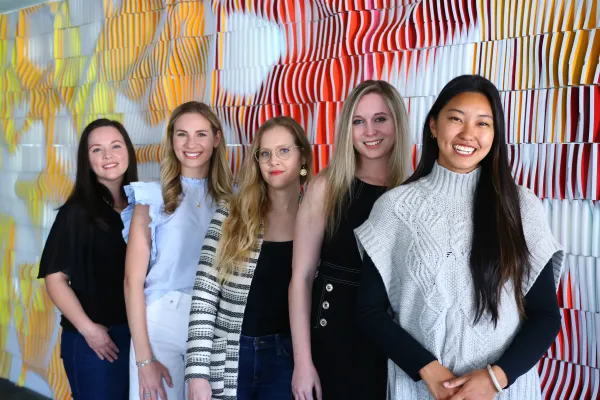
[466, 261]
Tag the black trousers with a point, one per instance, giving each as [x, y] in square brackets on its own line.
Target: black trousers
[349, 368]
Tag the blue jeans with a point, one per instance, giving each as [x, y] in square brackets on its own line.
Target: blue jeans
[91, 378]
[265, 368]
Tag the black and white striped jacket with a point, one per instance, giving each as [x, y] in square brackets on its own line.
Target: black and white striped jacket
[217, 314]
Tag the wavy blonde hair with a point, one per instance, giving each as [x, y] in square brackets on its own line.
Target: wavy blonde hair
[342, 168]
[219, 173]
[247, 210]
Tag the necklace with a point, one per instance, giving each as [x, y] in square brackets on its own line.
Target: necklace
[192, 186]
[113, 206]
[194, 195]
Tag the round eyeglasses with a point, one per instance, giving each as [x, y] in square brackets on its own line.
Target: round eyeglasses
[282, 152]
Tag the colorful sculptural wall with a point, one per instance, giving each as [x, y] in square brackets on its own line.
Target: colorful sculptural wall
[65, 63]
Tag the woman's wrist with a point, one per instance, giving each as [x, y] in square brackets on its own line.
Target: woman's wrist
[500, 376]
[143, 354]
[84, 325]
[427, 371]
[143, 363]
[303, 360]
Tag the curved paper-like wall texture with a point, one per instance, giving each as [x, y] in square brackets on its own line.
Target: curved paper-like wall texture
[65, 63]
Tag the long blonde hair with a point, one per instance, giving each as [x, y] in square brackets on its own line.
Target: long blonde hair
[247, 210]
[342, 168]
[219, 174]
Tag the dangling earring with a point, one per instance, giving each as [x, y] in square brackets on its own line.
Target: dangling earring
[303, 171]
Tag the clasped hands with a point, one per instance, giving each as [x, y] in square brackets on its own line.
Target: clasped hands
[475, 385]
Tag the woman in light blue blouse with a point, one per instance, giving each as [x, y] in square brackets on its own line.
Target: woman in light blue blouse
[165, 224]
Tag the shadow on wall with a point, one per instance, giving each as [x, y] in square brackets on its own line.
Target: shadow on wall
[10, 391]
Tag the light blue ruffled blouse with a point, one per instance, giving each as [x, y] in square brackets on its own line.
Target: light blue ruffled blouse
[177, 238]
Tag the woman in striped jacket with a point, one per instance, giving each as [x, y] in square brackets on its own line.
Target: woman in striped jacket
[239, 344]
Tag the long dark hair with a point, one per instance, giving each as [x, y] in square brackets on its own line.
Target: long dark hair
[499, 252]
[87, 191]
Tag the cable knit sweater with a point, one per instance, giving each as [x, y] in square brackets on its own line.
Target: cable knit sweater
[419, 237]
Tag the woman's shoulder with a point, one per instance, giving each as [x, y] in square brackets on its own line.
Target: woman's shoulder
[72, 210]
[533, 212]
[146, 193]
[531, 205]
[317, 187]
[528, 197]
[397, 204]
[400, 194]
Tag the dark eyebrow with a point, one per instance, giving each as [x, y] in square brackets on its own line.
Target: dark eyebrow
[98, 144]
[462, 112]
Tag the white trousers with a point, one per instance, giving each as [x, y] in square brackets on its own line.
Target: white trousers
[167, 320]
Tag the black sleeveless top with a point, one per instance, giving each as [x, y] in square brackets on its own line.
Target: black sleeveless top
[341, 249]
[267, 310]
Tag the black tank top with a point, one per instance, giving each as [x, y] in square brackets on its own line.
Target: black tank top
[266, 310]
[341, 248]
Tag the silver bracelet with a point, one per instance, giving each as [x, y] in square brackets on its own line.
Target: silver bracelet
[145, 362]
[496, 383]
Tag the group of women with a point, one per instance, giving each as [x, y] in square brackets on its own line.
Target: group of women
[360, 283]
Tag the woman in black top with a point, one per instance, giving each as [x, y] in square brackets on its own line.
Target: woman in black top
[240, 295]
[83, 265]
[332, 359]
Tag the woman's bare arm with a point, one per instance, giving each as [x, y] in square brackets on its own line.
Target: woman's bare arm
[308, 239]
[136, 268]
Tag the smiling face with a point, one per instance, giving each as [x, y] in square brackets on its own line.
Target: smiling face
[108, 155]
[464, 130]
[373, 128]
[193, 144]
[279, 173]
